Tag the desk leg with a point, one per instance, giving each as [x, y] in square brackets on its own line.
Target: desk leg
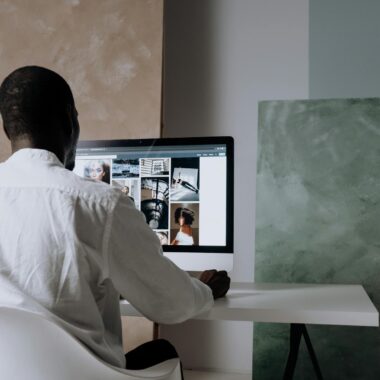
[296, 332]
[295, 340]
[312, 355]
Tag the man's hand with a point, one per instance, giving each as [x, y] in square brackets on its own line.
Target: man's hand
[219, 282]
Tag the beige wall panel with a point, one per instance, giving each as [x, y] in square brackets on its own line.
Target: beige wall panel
[136, 331]
[110, 52]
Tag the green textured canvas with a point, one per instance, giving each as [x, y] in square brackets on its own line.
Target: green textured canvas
[317, 221]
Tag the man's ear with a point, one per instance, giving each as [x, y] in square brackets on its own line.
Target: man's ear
[72, 122]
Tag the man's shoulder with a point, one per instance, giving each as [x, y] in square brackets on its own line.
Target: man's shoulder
[87, 188]
[57, 179]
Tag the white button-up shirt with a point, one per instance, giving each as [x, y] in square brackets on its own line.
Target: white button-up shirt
[69, 246]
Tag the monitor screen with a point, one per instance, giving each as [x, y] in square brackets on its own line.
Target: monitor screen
[183, 186]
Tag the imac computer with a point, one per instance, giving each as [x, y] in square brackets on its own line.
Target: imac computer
[183, 186]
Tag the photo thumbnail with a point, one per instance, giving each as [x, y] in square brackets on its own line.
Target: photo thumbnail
[184, 224]
[163, 237]
[185, 179]
[125, 168]
[154, 166]
[129, 187]
[154, 201]
[98, 169]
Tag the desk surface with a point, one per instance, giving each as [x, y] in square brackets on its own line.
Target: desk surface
[346, 305]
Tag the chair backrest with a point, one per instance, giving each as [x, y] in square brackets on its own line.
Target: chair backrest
[34, 348]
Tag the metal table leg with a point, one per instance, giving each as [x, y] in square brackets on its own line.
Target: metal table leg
[297, 330]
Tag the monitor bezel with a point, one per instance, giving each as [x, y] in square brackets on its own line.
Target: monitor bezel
[176, 141]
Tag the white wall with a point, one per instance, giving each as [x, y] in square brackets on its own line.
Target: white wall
[221, 58]
[344, 48]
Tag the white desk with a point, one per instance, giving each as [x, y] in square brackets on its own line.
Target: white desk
[344, 305]
[296, 304]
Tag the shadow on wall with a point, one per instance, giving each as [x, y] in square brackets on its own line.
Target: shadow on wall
[190, 29]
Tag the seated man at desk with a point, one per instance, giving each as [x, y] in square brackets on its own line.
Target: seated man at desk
[70, 246]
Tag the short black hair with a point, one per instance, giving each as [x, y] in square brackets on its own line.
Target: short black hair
[31, 99]
[185, 213]
[107, 174]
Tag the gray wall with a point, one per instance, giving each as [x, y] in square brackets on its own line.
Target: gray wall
[344, 48]
[221, 58]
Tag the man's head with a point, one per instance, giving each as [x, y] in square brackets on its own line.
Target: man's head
[183, 215]
[38, 111]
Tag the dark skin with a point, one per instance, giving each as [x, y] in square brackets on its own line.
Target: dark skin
[218, 281]
[63, 144]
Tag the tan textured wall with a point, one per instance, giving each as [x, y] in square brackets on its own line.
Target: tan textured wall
[136, 331]
[110, 52]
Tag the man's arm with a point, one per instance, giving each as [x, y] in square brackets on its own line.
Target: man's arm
[149, 281]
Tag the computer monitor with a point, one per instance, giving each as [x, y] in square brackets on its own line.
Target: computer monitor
[183, 186]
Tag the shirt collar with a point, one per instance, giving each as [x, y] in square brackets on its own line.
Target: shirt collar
[35, 154]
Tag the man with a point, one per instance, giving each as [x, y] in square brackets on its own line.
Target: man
[70, 246]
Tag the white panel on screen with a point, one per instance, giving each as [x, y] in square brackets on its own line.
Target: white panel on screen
[213, 211]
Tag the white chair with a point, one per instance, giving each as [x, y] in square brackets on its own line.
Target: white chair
[34, 348]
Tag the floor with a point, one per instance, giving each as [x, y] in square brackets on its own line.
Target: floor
[198, 375]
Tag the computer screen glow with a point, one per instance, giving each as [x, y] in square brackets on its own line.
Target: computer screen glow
[181, 188]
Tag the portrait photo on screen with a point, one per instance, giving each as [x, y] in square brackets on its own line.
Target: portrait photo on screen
[129, 187]
[154, 166]
[98, 169]
[125, 168]
[185, 179]
[155, 201]
[184, 223]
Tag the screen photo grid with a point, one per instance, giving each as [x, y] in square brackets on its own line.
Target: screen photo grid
[166, 190]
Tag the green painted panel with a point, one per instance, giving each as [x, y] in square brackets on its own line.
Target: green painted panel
[318, 221]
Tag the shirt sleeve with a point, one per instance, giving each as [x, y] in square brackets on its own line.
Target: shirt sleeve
[153, 284]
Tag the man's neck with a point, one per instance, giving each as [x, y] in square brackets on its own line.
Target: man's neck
[25, 142]
[21, 143]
